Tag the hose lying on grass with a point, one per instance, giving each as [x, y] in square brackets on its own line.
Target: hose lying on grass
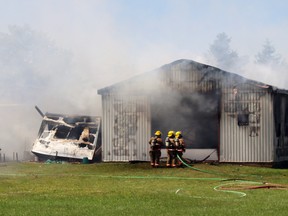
[236, 182]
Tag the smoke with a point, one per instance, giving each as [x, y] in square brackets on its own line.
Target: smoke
[268, 74]
[18, 128]
[267, 66]
[35, 70]
[173, 107]
[73, 48]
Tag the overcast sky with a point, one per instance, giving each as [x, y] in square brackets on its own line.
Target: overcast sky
[134, 36]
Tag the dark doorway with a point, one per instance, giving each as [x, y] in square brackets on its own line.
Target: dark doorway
[196, 115]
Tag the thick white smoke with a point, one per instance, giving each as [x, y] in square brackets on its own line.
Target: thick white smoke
[86, 45]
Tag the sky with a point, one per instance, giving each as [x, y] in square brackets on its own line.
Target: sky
[113, 40]
[142, 35]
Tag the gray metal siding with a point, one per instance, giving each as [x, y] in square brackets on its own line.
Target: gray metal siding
[252, 142]
[126, 128]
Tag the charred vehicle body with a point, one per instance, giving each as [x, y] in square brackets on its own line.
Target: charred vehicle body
[68, 137]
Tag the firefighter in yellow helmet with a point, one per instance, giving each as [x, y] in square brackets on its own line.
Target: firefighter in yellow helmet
[155, 143]
[180, 148]
[171, 149]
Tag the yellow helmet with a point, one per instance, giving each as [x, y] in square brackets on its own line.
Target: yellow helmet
[171, 133]
[178, 133]
[158, 133]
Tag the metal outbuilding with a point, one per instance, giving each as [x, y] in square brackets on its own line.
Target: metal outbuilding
[221, 115]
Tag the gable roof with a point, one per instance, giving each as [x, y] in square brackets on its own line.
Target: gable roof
[164, 73]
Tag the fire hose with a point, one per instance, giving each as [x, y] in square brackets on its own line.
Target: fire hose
[218, 187]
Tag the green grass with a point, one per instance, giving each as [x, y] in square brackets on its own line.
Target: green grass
[137, 189]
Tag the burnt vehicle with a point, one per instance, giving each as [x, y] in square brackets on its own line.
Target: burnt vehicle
[68, 137]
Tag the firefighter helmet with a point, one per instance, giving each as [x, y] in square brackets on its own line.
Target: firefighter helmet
[171, 133]
[158, 133]
[178, 133]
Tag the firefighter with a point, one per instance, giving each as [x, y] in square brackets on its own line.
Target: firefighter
[155, 149]
[180, 148]
[171, 149]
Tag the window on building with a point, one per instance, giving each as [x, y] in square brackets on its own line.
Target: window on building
[243, 119]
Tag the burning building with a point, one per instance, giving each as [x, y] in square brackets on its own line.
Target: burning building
[68, 137]
[221, 115]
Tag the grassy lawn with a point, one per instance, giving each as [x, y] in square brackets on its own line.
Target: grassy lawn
[137, 189]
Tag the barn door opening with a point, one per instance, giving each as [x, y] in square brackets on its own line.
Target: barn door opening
[195, 114]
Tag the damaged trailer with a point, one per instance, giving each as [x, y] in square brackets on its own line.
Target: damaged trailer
[68, 137]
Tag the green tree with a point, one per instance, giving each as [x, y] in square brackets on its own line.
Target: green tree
[221, 53]
[268, 55]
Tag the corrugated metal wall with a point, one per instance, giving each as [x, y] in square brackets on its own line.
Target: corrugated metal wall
[251, 139]
[126, 128]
